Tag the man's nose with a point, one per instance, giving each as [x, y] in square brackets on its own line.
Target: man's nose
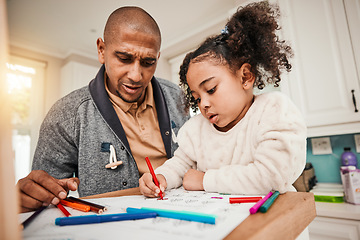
[135, 71]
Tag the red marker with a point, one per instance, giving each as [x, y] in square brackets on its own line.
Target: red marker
[61, 207]
[244, 199]
[153, 176]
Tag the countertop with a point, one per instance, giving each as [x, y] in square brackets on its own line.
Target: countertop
[335, 210]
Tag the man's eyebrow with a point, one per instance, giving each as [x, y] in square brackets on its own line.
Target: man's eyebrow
[123, 53]
[131, 56]
[149, 58]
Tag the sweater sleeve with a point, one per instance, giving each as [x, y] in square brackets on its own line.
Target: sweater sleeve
[175, 168]
[56, 151]
[278, 152]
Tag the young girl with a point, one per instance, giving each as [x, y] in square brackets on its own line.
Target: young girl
[241, 143]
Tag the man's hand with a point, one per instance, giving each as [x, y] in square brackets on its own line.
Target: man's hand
[193, 180]
[40, 189]
[148, 187]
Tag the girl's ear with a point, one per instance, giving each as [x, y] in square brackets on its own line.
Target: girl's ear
[247, 76]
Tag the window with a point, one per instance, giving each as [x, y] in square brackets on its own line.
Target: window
[25, 87]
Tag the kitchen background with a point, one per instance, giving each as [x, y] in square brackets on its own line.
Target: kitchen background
[52, 52]
[327, 165]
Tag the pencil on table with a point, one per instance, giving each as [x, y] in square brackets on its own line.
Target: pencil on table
[31, 218]
[93, 206]
[61, 207]
[76, 206]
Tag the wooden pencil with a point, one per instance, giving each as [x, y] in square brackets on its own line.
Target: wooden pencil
[93, 206]
[32, 217]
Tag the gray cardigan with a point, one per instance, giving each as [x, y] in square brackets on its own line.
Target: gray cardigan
[78, 125]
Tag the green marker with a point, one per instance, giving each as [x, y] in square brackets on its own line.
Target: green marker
[267, 204]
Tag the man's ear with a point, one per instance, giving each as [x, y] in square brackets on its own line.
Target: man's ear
[247, 76]
[100, 49]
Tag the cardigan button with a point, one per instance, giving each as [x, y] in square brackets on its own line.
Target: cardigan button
[167, 133]
[122, 148]
[124, 183]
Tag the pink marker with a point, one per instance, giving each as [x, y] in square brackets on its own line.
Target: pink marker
[257, 205]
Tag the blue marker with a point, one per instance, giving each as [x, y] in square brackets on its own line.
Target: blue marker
[88, 219]
[182, 215]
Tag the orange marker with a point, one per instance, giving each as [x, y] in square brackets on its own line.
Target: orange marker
[76, 206]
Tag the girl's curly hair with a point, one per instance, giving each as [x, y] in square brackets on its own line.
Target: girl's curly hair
[249, 37]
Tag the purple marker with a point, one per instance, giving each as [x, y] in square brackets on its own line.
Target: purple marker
[257, 205]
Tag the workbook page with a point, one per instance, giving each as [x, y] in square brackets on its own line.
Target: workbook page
[228, 216]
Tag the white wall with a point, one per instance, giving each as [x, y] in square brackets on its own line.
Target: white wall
[75, 75]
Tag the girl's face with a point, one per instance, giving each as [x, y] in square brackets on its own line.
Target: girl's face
[222, 96]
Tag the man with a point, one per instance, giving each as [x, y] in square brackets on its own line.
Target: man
[103, 132]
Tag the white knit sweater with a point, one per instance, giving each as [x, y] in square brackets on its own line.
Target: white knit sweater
[265, 151]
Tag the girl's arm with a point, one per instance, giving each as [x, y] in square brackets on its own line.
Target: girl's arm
[175, 168]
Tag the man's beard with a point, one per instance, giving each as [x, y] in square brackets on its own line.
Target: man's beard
[125, 100]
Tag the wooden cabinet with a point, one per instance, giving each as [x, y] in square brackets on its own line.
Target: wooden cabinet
[335, 221]
[325, 79]
[322, 228]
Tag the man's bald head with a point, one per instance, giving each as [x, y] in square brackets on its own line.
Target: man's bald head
[134, 18]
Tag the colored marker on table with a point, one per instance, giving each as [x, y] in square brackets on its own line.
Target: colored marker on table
[76, 206]
[154, 176]
[244, 199]
[61, 207]
[181, 215]
[33, 216]
[89, 219]
[268, 203]
[256, 207]
[93, 207]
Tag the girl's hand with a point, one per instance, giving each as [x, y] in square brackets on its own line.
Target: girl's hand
[148, 187]
[193, 180]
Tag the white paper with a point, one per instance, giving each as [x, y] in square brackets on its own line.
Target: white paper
[228, 215]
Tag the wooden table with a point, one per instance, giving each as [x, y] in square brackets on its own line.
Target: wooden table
[290, 214]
